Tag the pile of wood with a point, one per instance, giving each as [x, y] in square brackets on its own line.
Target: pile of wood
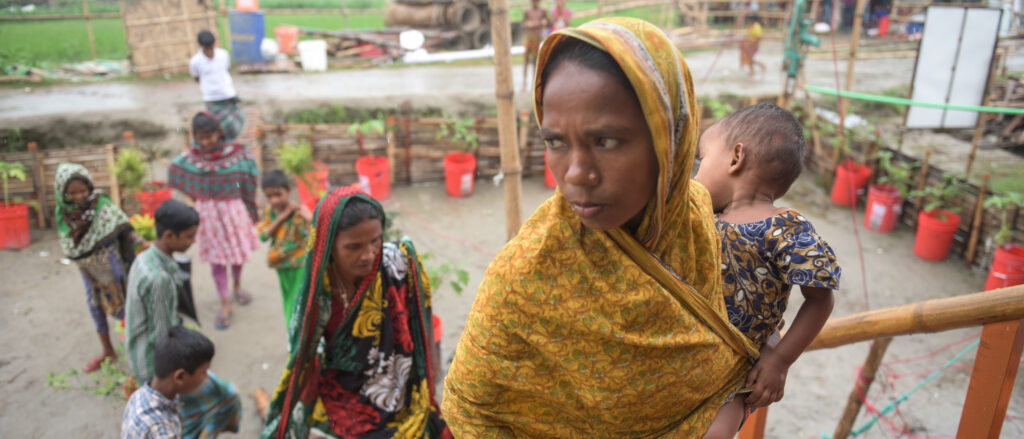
[348, 48]
[467, 23]
[1007, 129]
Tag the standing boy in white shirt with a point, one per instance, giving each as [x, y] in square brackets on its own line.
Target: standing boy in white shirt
[210, 67]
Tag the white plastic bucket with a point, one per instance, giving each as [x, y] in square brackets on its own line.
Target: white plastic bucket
[313, 54]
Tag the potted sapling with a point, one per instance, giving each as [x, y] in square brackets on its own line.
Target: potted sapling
[459, 166]
[851, 177]
[1007, 267]
[14, 233]
[938, 221]
[885, 198]
[374, 170]
[296, 159]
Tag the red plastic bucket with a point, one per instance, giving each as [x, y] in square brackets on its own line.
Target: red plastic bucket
[883, 208]
[851, 177]
[883, 26]
[287, 36]
[318, 178]
[459, 168]
[935, 235]
[1007, 267]
[438, 332]
[549, 178]
[149, 201]
[374, 176]
[14, 225]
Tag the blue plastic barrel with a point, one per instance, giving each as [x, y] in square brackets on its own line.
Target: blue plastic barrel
[247, 30]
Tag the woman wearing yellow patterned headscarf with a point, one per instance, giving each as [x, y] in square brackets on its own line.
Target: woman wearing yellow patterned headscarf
[604, 317]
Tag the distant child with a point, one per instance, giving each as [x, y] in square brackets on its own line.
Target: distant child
[221, 176]
[286, 225]
[153, 287]
[561, 16]
[180, 358]
[96, 234]
[750, 44]
[747, 161]
[209, 67]
[535, 21]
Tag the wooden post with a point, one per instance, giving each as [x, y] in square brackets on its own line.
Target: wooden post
[922, 180]
[1004, 304]
[600, 8]
[389, 136]
[814, 10]
[860, 388]
[995, 369]
[979, 212]
[504, 94]
[979, 130]
[115, 191]
[524, 138]
[88, 28]
[812, 115]
[754, 427]
[406, 143]
[39, 181]
[344, 15]
[858, 20]
[257, 150]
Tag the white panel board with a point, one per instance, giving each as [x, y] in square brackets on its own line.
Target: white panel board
[935, 62]
[977, 46]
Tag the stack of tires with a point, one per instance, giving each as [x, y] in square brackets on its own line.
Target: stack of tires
[470, 18]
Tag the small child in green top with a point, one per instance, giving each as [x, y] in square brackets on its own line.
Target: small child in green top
[286, 225]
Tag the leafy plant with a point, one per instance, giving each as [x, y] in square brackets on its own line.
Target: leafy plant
[359, 128]
[1003, 202]
[107, 381]
[130, 169]
[896, 174]
[10, 170]
[451, 272]
[296, 159]
[144, 225]
[462, 131]
[718, 109]
[941, 195]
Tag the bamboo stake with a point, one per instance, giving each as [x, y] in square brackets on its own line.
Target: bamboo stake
[860, 388]
[979, 210]
[406, 138]
[115, 191]
[524, 138]
[88, 28]
[258, 150]
[979, 129]
[1002, 305]
[389, 135]
[812, 115]
[504, 95]
[923, 180]
[38, 179]
[858, 20]
[995, 369]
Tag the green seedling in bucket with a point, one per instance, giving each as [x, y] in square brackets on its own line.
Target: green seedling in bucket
[130, 169]
[899, 175]
[9, 170]
[296, 159]
[360, 128]
[462, 131]
[1004, 202]
[940, 196]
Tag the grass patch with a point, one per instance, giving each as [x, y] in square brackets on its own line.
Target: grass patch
[48, 44]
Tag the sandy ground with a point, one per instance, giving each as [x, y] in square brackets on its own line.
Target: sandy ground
[47, 327]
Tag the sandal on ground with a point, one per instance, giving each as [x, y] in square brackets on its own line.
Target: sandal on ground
[222, 322]
[243, 298]
[96, 363]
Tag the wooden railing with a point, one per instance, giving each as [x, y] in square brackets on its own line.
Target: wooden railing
[995, 365]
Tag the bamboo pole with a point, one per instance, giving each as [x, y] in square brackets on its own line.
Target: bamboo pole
[858, 20]
[979, 129]
[1004, 304]
[504, 95]
[406, 143]
[995, 369]
[115, 191]
[258, 149]
[979, 211]
[922, 180]
[812, 115]
[39, 181]
[860, 388]
[88, 28]
[389, 135]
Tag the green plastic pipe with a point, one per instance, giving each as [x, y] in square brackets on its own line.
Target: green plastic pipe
[907, 102]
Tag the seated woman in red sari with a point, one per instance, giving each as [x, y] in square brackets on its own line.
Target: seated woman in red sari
[366, 303]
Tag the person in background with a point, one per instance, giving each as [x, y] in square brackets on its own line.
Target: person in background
[221, 176]
[561, 16]
[209, 67]
[180, 360]
[748, 160]
[153, 288]
[750, 44]
[286, 225]
[96, 235]
[535, 21]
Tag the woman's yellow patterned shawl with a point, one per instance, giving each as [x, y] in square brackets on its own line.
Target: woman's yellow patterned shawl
[579, 333]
